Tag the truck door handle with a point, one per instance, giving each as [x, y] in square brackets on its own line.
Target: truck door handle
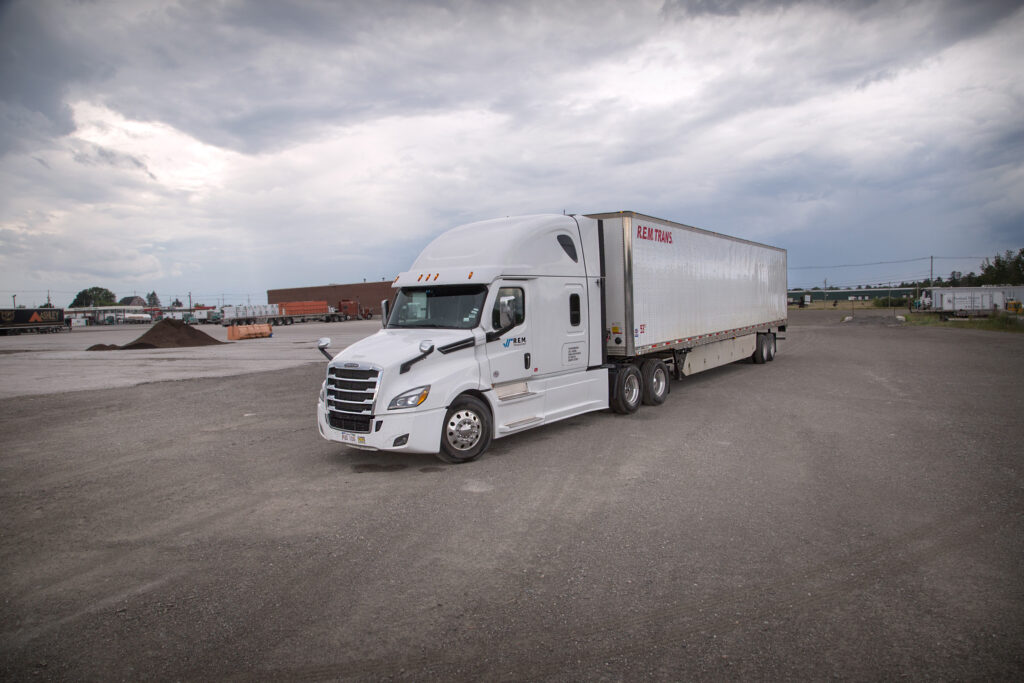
[526, 361]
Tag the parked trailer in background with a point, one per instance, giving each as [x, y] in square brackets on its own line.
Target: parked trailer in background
[509, 324]
[249, 314]
[285, 313]
[966, 301]
[38, 320]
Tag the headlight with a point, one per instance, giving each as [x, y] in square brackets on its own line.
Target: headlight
[323, 392]
[410, 399]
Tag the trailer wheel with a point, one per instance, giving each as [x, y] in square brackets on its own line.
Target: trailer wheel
[760, 350]
[770, 356]
[466, 432]
[656, 382]
[628, 390]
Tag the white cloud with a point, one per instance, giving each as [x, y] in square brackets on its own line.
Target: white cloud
[238, 146]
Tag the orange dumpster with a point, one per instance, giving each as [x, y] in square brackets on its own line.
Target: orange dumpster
[237, 332]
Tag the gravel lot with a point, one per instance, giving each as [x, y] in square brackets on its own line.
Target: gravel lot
[852, 510]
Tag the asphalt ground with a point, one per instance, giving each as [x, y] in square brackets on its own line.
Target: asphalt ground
[851, 510]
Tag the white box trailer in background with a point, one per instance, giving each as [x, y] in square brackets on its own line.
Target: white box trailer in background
[966, 301]
[509, 324]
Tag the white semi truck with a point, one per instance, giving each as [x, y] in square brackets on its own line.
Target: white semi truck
[513, 323]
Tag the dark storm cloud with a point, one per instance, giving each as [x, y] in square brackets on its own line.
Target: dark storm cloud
[38, 63]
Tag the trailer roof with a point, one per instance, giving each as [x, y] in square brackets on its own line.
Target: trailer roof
[674, 224]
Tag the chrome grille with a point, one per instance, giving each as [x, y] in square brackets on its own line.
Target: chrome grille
[351, 396]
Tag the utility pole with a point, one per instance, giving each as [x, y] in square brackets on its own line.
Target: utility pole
[931, 270]
[190, 301]
[824, 296]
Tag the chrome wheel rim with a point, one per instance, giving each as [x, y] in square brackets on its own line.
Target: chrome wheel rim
[658, 382]
[463, 430]
[632, 389]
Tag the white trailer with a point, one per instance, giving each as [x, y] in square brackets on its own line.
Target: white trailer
[966, 301]
[509, 324]
[248, 314]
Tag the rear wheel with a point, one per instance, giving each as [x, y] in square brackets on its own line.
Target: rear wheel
[656, 383]
[771, 348]
[466, 432]
[628, 390]
[761, 349]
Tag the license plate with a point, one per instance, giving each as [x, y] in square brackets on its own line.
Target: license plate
[349, 437]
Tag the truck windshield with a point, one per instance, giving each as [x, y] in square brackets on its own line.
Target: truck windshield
[451, 306]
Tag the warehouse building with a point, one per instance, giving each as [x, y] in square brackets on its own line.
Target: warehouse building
[796, 295]
[366, 294]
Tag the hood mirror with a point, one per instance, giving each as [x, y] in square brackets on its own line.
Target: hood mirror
[322, 345]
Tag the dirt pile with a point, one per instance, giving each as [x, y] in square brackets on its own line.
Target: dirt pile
[166, 334]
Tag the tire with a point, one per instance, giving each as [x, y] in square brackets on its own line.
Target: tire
[466, 432]
[656, 382]
[628, 390]
[770, 355]
[759, 351]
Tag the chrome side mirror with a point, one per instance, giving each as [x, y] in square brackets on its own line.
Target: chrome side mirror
[322, 345]
[385, 312]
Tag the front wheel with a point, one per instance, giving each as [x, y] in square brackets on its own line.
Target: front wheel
[466, 432]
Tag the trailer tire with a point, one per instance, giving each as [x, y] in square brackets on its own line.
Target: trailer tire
[770, 356]
[628, 390]
[759, 356]
[656, 382]
[466, 432]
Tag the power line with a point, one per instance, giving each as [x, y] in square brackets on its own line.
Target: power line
[886, 263]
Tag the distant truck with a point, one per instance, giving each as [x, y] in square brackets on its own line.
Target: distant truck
[509, 324]
[31, 320]
[285, 313]
[206, 316]
[351, 310]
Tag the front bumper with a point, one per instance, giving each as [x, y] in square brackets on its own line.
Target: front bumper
[423, 428]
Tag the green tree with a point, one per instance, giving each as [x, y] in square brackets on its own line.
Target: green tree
[1004, 269]
[152, 300]
[94, 296]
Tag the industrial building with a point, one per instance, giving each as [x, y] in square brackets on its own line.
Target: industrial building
[796, 295]
[366, 294]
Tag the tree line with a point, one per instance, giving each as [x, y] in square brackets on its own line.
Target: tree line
[101, 296]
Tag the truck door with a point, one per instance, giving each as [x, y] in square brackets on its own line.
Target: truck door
[509, 355]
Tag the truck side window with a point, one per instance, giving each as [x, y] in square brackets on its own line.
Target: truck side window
[570, 248]
[518, 300]
[574, 310]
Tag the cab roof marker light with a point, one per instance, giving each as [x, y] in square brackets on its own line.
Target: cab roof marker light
[420, 277]
[470, 275]
[436, 276]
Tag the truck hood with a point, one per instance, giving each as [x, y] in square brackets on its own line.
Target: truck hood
[388, 349]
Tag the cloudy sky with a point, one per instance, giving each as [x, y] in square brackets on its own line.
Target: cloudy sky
[227, 147]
